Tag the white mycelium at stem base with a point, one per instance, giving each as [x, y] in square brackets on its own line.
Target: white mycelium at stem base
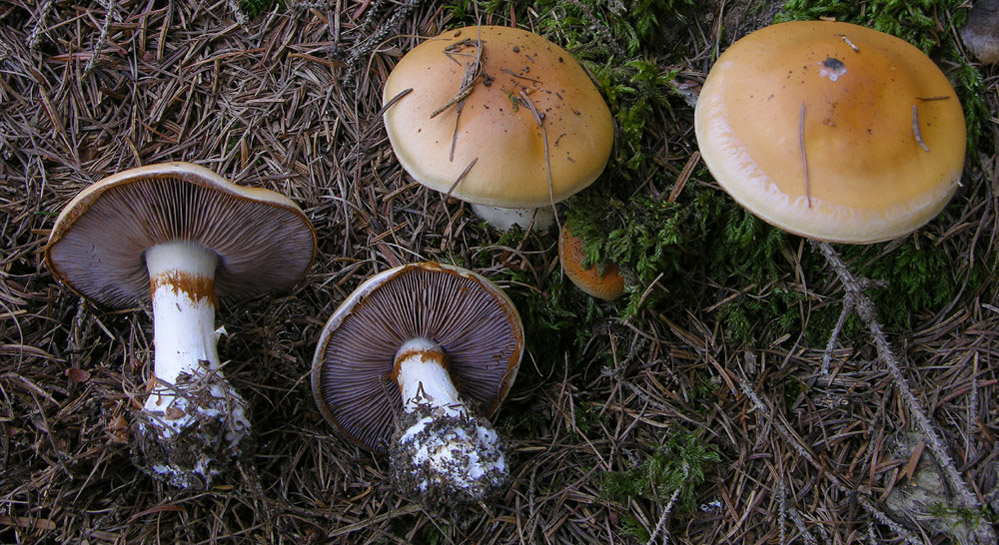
[444, 454]
[192, 406]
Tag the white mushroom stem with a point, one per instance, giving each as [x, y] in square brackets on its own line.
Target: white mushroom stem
[182, 284]
[447, 450]
[423, 380]
[503, 219]
[183, 316]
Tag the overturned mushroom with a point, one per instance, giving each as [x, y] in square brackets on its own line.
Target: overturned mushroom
[180, 236]
[603, 281]
[412, 363]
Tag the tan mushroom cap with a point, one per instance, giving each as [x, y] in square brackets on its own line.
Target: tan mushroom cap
[262, 239]
[601, 282]
[496, 127]
[883, 131]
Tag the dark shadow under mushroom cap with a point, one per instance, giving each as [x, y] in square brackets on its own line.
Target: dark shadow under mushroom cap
[263, 240]
[981, 33]
[473, 321]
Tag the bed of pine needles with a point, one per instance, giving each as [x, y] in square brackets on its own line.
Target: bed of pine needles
[289, 100]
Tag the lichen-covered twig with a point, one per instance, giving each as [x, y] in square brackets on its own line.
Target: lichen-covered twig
[39, 27]
[865, 309]
[664, 517]
[373, 38]
[110, 14]
[241, 18]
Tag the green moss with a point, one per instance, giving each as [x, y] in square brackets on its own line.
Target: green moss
[919, 277]
[631, 526]
[557, 319]
[585, 418]
[636, 91]
[703, 231]
[679, 463]
[255, 8]
[792, 389]
[967, 516]
[743, 317]
[915, 21]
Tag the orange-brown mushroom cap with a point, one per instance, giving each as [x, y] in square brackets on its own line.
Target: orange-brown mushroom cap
[601, 282]
[496, 128]
[832, 131]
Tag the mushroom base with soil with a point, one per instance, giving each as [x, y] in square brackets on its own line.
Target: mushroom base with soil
[447, 462]
[200, 438]
[442, 454]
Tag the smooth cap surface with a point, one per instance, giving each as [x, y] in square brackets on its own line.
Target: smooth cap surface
[496, 127]
[472, 320]
[603, 282]
[872, 121]
[262, 239]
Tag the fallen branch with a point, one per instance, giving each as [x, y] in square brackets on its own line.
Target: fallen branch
[861, 303]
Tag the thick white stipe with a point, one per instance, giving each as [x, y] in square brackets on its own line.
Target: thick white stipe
[185, 344]
[423, 380]
[183, 327]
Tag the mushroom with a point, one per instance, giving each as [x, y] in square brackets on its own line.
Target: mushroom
[600, 281]
[498, 117]
[832, 131]
[981, 33]
[412, 363]
[180, 236]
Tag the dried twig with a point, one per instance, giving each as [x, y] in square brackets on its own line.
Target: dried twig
[39, 27]
[782, 427]
[865, 309]
[473, 72]
[110, 14]
[663, 518]
[804, 157]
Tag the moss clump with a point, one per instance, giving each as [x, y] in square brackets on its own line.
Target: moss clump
[702, 233]
[915, 21]
[635, 91]
[558, 320]
[255, 8]
[680, 463]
